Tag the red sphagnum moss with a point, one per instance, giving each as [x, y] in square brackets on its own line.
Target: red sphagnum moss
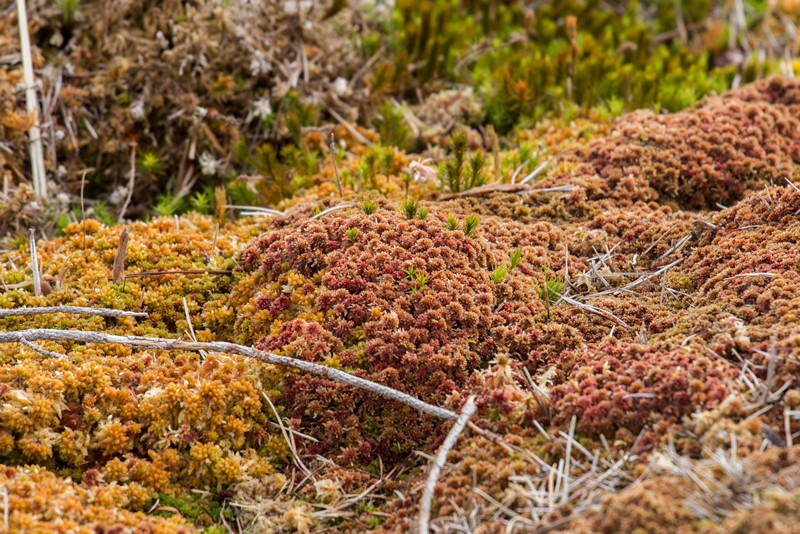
[646, 340]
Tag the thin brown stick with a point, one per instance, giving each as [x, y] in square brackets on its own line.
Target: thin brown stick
[486, 190]
[336, 166]
[45, 352]
[438, 464]
[131, 183]
[45, 334]
[118, 271]
[32, 102]
[37, 275]
[83, 211]
[75, 310]
[349, 127]
[187, 271]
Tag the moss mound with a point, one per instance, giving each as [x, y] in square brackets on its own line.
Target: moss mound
[608, 332]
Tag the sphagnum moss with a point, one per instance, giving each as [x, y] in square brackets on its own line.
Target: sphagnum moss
[712, 339]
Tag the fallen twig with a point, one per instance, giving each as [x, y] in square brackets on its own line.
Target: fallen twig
[187, 271]
[752, 275]
[441, 457]
[487, 189]
[45, 352]
[75, 310]
[45, 334]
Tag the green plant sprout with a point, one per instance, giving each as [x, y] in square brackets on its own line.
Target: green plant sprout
[471, 222]
[418, 276]
[409, 208]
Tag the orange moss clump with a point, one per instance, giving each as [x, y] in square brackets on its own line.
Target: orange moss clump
[40, 501]
[135, 416]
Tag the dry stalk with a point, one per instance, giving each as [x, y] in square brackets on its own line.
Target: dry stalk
[37, 275]
[118, 271]
[330, 210]
[131, 183]
[336, 165]
[45, 334]
[192, 335]
[486, 190]
[32, 102]
[6, 511]
[438, 464]
[44, 352]
[76, 310]
[144, 274]
[538, 170]
[349, 127]
[263, 211]
[289, 440]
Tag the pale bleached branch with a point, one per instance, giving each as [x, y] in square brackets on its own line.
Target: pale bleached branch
[75, 310]
[37, 275]
[45, 352]
[438, 464]
[32, 103]
[330, 373]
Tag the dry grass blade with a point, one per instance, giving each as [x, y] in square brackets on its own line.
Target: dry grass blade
[537, 171]
[752, 275]
[32, 102]
[131, 183]
[251, 209]
[349, 127]
[641, 280]
[336, 166]
[37, 275]
[594, 309]
[289, 440]
[330, 210]
[438, 464]
[189, 324]
[330, 373]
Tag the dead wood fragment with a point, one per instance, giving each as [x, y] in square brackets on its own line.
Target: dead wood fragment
[438, 464]
[144, 274]
[118, 271]
[77, 310]
[45, 334]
